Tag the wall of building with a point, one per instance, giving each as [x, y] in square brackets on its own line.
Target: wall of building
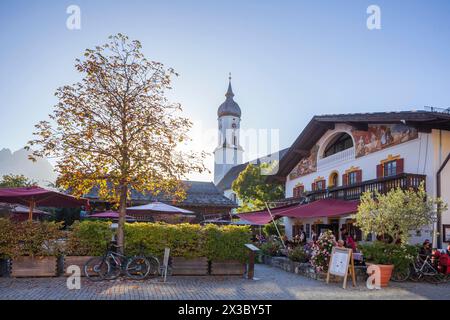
[418, 155]
[441, 143]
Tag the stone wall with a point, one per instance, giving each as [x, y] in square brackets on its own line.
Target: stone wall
[307, 270]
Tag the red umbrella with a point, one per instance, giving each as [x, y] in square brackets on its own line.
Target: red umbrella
[37, 196]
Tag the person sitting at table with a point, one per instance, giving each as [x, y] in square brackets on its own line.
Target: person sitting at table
[350, 242]
[425, 250]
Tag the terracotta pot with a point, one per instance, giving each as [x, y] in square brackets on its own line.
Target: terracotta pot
[386, 273]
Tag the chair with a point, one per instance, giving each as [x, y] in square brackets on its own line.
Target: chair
[165, 265]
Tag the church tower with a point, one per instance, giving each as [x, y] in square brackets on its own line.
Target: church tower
[228, 152]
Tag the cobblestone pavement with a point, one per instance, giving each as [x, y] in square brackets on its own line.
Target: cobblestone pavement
[273, 283]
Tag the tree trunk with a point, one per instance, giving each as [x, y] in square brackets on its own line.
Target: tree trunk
[122, 213]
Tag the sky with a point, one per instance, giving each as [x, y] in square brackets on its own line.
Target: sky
[289, 60]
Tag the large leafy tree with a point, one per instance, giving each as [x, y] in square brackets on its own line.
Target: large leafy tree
[116, 129]
[394, 215]
[253, 190]
[15, 181]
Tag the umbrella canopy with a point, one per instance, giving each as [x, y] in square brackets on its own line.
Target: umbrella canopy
[18, 208]
[37, 196]
[157, 207]
[110, 215]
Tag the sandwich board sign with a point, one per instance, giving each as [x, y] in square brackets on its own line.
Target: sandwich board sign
[341, 264]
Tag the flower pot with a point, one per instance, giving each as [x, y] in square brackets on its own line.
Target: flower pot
[26, 266]
[385, 273]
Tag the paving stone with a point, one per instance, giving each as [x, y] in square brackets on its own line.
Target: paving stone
[273, 283]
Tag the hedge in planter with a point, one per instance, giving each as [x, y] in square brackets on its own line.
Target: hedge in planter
[226, 250]
[186, 243]
[184, 240]
[86, 239]
[34, 248]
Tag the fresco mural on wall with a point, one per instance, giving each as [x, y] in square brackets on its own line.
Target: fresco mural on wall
[306, 165]
[378, 137]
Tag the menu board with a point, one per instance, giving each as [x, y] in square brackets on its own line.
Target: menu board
[341, 262]
[340, 259]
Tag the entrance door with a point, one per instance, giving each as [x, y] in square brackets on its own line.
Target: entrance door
[333, 227]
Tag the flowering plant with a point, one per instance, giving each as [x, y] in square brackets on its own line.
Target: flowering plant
[321, 251]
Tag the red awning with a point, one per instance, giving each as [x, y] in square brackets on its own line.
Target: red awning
[263, 217]
[40, 197]
[320, 208]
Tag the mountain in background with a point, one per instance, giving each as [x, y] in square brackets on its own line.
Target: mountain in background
[17, 162]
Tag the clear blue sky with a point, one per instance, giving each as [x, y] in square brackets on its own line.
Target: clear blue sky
[289, 59]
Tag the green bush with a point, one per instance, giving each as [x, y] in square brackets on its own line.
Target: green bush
[272, 247]
[187, 240]
[8, 241]
[184, 240]
[400, 255]
[227, 242]
[298, 254]
[29, 238]
[271, 230]
[88, 238]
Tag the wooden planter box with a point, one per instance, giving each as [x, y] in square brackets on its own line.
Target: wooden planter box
[77, 261]
[34, 267]
[227, 268]
[4, 268]
[189, 267]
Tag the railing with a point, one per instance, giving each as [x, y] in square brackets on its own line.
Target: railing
[353, 192]
[383, 185]
[348, 154]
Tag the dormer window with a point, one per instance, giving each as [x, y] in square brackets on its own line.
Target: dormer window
[339, 143]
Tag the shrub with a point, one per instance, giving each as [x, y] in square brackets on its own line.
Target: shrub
[321, 251]
[270, 230]
[8, 241]
[272, 247]
[29, 238]
[184, 240]
[380, 252]
[88, 238]
[298, 254]
[227, 242]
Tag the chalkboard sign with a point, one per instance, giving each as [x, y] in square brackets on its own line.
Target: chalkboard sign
[341, 263]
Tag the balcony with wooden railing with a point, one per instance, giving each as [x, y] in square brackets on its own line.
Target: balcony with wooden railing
[404, 181]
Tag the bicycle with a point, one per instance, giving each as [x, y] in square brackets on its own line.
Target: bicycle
[112, 264]
[155, 266]
[419, 269]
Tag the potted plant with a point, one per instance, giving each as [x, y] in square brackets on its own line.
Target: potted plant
[225, 247]
[85, 240]
[35, 249]
[392, 217]
[388, 257]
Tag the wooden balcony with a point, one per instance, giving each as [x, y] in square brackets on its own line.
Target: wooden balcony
[353, 192]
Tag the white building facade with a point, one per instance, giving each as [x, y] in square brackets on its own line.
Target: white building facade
[341, 156]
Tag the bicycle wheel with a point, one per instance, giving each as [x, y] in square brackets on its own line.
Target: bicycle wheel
[435, 278]
[96, 268]
[154, 266]
[115, 267]
[137, 268]
[401, 275]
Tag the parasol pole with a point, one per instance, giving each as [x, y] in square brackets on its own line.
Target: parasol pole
[276, 227]
[30, 213]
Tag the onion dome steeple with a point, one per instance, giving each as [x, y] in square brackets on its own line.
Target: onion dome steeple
[229, 107]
